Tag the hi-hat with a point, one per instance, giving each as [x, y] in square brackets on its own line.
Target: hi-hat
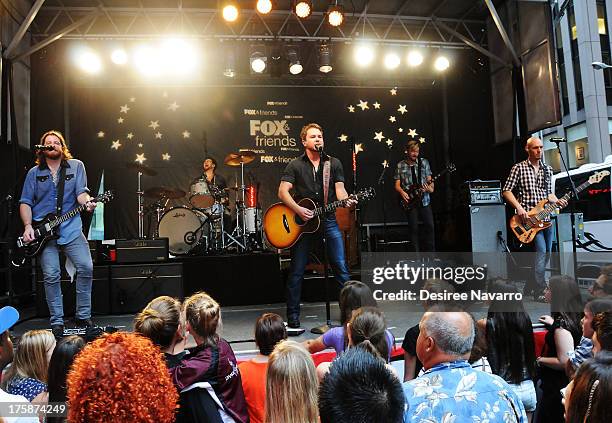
[235, 159]
[163, 192]
[145, 170]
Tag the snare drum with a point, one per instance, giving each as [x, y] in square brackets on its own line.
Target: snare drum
[201, 197]
[252, 220]
[183, 228]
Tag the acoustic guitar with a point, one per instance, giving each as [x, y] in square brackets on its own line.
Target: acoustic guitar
[283, 227]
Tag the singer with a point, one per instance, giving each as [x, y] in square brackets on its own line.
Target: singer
[58, 184]
[306, 175]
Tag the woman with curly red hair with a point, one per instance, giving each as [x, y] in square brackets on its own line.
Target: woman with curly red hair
[120, 377]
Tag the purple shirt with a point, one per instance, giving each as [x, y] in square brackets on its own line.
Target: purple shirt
[334, 338]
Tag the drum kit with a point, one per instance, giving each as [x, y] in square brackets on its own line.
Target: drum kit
[202, 226]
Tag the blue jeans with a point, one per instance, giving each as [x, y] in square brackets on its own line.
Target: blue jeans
[78, 252]
[542, 244]
[299, 259]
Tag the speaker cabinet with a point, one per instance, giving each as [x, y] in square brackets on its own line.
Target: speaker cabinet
[488, 228]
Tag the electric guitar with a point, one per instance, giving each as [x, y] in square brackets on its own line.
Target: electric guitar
[415, 191]
[539, 216]
[283, 227]
[46, 229]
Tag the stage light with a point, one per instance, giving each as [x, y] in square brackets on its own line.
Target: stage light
[303, 8]
[180, 57]
[392, 61]
[264, 6]
[295, 67]
[335, 15]
[148, 61]
[89, 62]
[325, 58]
[119, 56]
[415, 58]
[364, 55]
[230, 12]
[441, 63]
[258, 62]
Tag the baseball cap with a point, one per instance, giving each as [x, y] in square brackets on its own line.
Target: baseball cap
[8, 317]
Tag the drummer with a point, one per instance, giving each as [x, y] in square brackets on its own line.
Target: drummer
[209, 167]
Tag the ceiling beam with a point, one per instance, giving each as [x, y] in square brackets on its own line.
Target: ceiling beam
[23, 28]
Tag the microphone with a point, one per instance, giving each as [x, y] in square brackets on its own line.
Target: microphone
[43, 147]
[558, 140]
[321, 152]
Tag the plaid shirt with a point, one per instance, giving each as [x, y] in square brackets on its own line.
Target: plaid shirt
[531, 187]
[403, 173]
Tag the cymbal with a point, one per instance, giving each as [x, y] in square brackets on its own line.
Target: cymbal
[163, 192]
[145, 170]
[235, 159]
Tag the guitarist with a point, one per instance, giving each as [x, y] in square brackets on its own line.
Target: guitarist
[531, 179]
[40, 195]
[304, 175]
[411, 172]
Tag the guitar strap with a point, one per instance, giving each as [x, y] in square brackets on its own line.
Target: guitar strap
[419, 172]
[326, 174]
[60, 191]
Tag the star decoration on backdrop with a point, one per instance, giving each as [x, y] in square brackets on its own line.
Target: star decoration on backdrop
[140, 145]
[358, 148]
[412, 133]
[120, 120]
[173, 106]
[376, 105]
[378, 136]
[166, 156]
[124, 109]
[101, 134]
[400, 129]
[154, 124]
[140, 158]
[402, 109]
[129, 136]
[158, 135]
[363, 105]
[422, 140]
[186, 134]
[389, 142]
[351, 108]
[132, 99]
[392, 119]
[343, 137]
[393, 91]
[116, 145]
[385, 164]
[165, 94]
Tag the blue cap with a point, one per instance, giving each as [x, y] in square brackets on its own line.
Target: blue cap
[8, 317]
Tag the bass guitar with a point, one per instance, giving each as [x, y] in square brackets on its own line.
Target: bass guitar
[46, 229]
[538, 218]
[415, 191]
[283, 227]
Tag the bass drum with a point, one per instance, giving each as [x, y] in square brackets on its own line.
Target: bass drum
[183, 228]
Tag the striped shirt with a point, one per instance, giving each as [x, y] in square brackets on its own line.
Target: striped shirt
[531, 186]
[583, 352]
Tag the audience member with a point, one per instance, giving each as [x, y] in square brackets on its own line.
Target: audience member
[269, 331]
[360, 389]
[412, 365]
[450, 389]
[27, 375]
[478, 355]
[562, 337]
[602, 287]
[291, 385]
[161, 321]
[8, 317]
[588, 395]
[212, 359]
[510, 346]
[120, 377]
[602, 335]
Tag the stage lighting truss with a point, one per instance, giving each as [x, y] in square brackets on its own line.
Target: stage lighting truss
[264, 6]
[230, 11]
[258, 61]
[295, 67]
[303, 8]
[325, 65]
[335, 14]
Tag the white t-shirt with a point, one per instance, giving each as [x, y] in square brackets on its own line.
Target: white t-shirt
[8, 398]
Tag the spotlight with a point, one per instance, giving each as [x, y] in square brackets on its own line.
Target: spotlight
[89, 62]
[415, 58]
[258, 62]
[230, 12]
[264, 6]
[325, 58]
[392, 61]
[303, 8]
[441, 63]
[119, 57]
[335, 15]
[179, 56]
[364, 55]
[230, 64]
[295, 67]
[148, 61]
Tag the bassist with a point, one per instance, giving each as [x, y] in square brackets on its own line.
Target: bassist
[305, 175]
[413, 172]
[531, 179]
[42, 190]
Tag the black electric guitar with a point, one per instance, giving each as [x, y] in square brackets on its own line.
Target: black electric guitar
[46, 229]
[415, 191]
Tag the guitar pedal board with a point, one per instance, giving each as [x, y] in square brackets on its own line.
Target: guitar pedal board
[484, 192]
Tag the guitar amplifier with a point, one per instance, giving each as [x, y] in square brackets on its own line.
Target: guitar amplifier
[485, 192]
[134, 286]
[141, 250]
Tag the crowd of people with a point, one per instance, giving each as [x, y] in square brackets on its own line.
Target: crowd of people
[456, 368]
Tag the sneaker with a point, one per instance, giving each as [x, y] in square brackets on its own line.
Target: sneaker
[57, 331]
[83, 323]
[294, 323]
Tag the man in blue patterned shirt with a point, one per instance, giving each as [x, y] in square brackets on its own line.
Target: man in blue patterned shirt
[415, 171]
[450, 390]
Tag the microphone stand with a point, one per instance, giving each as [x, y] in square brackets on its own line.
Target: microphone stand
[572, 208]
[381, 182]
